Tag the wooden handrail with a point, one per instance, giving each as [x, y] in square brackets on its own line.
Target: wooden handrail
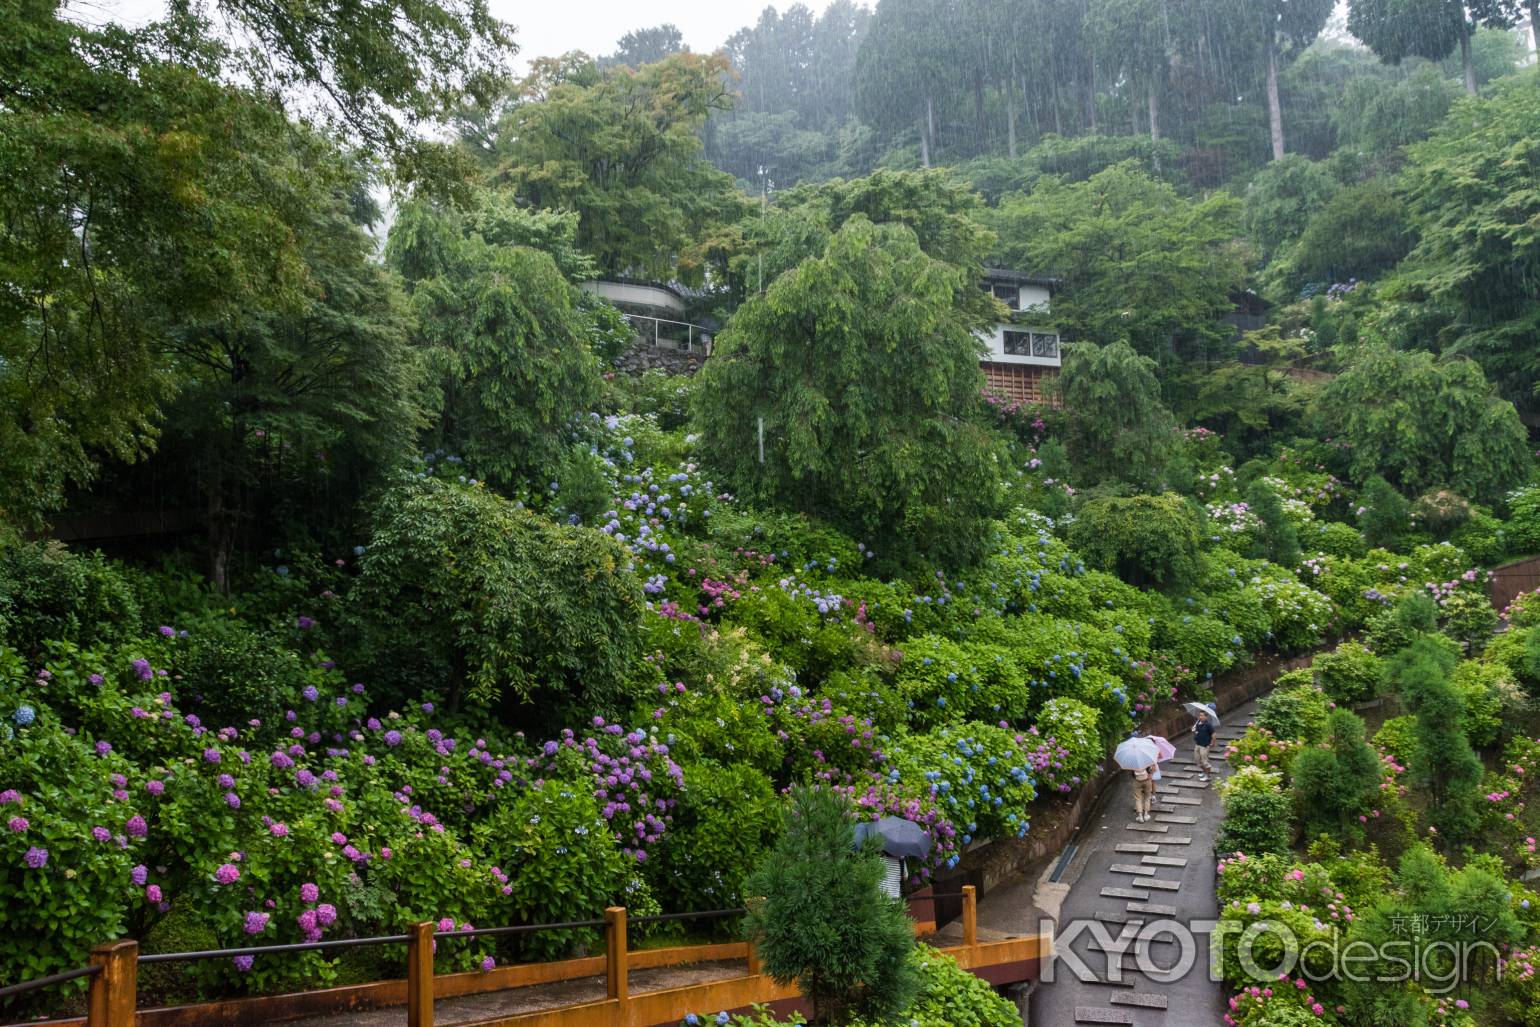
[114, 991]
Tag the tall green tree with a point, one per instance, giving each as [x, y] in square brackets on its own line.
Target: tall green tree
[1398, 29]
[907, 62]
[1336, 783]
[1444, 764]
[1425, 423]
[864, 373]
[819, 916]
[1117, 429]
[1285, 28]
[647, 46]
[1281, 199]
[277, 399]
[1477, 259]
[1138, 260]
[1135, 36]
[622, 147]
[506, 331]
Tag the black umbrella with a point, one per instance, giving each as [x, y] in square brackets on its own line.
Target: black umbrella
[900, 837]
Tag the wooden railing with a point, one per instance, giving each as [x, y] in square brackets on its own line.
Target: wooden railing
[114, 974]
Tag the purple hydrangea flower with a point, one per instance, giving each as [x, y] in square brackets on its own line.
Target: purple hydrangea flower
[232, 800]
[153, 894]
[308, 892]
[154, 787]
[228, 873]
[136, 827]
[139, 875]
[168, 631]
[304, 623]
[279, 830]
[311, 693]
[256, 923]
[326, 914]
[36, 858]
[101, 834]
[9, 796]
[392, 738]
[242, 963]
[18, 825]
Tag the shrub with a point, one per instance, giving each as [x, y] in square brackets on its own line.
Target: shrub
[1332, 538]
[1074, 727]
[977, 774]
[1349, 674]
[1145, 540]
[950, 997]
[1440, 511]
[1294, 713]
[49, 593]
[1277, 539]
[1335, 785]
[1468, 618]
[1384, 515]
[1260, 748]
[820, 919]
[457, 584]
[1396, 627]
[232, 674]
[728, 820]
[1256, 818]
[1486, 693]
[1442, 758]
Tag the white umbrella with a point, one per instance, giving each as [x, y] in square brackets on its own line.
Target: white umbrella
[1135, 753]
[1196, 708]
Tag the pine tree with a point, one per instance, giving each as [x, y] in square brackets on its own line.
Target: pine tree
[823, 921]
[1443, 762]
[1386, 513]
[1278, 540]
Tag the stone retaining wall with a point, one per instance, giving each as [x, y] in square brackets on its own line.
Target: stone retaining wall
[644, 356]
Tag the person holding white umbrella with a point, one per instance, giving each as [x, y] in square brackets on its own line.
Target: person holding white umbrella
[1139, 756]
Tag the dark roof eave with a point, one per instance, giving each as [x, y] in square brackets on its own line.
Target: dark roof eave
[1000, 274]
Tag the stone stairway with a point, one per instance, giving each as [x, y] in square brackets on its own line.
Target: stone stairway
[1128, 875]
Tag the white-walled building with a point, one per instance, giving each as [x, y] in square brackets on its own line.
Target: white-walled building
[1023, 353]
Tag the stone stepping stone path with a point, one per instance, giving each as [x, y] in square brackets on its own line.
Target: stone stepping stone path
[1172, 818]
[1152, 908]
[1143, 999]
[1189, 784]
[1157, 883]
[1182, 800]
[1118, 919]
[1108, 981]
[1164, 861]
[1176, 839]
[1149, 828]
[1099, 1014]
[1129, 868]
[1136, 847]
[1122, 893]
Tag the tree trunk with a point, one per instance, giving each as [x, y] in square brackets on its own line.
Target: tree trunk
[930, 125]
[1090, 97]
[924, 145]
[1533, 7]
[1154, 115]
[1467, 64]
[978, 110]
[1274, 110]
[221, 539]
[1010, 124]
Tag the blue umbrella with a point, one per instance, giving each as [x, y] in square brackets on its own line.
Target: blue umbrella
[901, 838]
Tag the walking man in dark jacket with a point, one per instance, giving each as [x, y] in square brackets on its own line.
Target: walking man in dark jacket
[1202, 738]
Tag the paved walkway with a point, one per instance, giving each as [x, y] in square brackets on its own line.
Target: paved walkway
[1126, 875]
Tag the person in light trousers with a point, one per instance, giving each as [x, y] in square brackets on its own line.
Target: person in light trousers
[1144, 791]
[1202, 738]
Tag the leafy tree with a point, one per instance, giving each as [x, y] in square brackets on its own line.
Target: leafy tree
[1281, 200]
[1385, 515]
[1378, 115]
[1254, 403]
[907, 56]
[1398, 29]
[1471, 192]
[621, 147]
[1135, 36]
[641, 47]
[819, 916]
[508, 333]
[864, 374]
[1138, 261]
[1116, 428]
[459, 585]
[1443, 762]
[1423, 423]
[1286, 29]
[1337, 783]
[282, 409]
[1278, 539]
[1145, 540]
[1360, 233]
[383, 67]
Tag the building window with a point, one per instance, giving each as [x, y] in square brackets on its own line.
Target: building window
[1010, 295]
[1031, 344]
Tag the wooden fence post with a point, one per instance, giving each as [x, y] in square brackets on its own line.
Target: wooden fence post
[970, 916]
[615, 967]
[114, 991]
[419, 975]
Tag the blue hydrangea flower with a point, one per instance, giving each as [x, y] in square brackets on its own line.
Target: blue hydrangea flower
[24, 715]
